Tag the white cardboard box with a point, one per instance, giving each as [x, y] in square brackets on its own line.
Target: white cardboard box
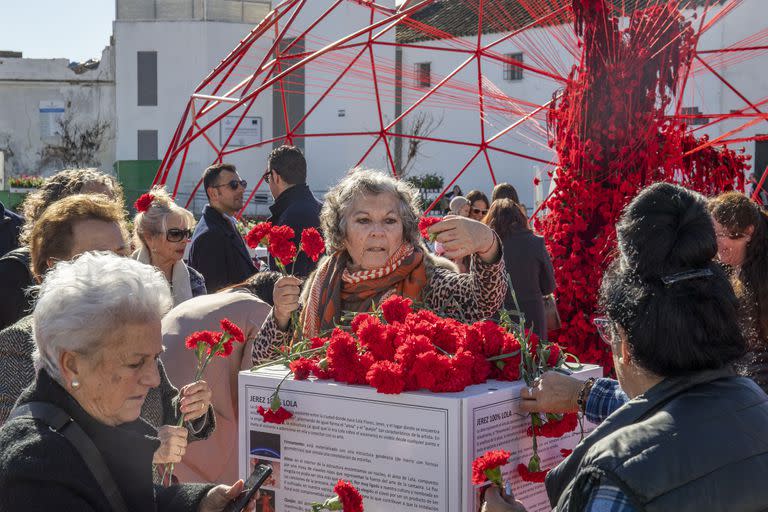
[410, 452]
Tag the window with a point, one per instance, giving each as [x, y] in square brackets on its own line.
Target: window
[423, 75]
[146, 74]
[147, 145]
[512, 71]
[693, 111]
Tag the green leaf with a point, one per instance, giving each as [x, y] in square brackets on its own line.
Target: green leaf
[275, 404]
[535, 463]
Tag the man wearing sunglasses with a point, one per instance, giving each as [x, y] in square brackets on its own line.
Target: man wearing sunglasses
[295, 205]
[217, 250]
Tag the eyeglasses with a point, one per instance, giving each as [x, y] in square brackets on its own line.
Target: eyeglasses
[177, 235]
[478, 211]
[266, 176]
[731, 236]
[233, 184]
[604, 329]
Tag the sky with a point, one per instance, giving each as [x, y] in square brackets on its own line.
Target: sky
[74, 29]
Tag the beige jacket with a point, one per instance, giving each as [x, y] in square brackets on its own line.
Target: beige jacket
[215, 459]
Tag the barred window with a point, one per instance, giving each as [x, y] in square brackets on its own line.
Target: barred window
[512, 71]
[423, 75]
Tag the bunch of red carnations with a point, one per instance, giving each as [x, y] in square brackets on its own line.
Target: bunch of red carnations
[280, 244]
[207, 345]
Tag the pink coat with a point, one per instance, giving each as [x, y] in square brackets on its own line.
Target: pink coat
[215, 459]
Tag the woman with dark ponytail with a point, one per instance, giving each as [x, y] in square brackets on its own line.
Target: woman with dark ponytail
[741, 227]
[693, 435]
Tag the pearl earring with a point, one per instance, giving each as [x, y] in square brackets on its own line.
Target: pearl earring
[75, 384]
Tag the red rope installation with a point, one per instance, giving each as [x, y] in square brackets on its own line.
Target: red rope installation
[613, 138]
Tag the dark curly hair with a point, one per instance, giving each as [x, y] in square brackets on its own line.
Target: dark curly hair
[690, 325]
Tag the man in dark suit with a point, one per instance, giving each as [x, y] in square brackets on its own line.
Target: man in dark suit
[217, 250]
[295, 205]
[10, 227]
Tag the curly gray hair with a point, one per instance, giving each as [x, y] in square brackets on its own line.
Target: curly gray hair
[359, 182]
[83, 300]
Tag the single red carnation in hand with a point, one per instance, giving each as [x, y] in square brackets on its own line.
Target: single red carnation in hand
[312, 243]
[301, 368]
[531, 476]
[556, 428]
[257, 234]
[396, 309]
[279, 416]
[350, 498]
[387, 377]
[281, 245]
[425, 223]
[207, 337]
[489, 461]
[143, 203]
[233, 330]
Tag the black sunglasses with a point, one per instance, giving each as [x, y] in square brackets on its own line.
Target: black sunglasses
[266, 176]
[478, 211]
[233, 184]
[177, 235]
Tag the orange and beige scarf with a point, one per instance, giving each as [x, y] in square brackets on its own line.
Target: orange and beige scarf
[336, 289]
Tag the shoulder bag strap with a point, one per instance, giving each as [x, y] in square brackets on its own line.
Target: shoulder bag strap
[63, 423]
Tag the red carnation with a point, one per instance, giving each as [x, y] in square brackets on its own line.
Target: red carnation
[207, 337]
[257, 234]
[536, 181]
[226, 349]
[425, 223]
[486, 467]
[312, 243]
[350, 498]
[531, 476]
[233, 330]
[387, 377]
[143, 203]
[396, 309]
[375, 337]
[554, 355]
[301, 368]
[279, 416]
[281, 245]
[556, 428]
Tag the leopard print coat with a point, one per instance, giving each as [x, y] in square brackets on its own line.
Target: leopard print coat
[468, 298]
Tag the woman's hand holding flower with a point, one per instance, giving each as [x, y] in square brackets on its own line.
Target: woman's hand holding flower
[461, 236]
[286, 300]
[173, 445]
[195, 400]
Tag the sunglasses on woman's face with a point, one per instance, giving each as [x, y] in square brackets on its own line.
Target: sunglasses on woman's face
[177, 235]
[233, 184]
[478, 211]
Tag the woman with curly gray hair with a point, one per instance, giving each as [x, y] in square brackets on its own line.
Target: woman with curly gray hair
[371, 225]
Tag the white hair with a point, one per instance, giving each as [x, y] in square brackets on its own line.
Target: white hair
[82, 301]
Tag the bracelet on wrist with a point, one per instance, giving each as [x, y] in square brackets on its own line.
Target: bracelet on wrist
[581, 398]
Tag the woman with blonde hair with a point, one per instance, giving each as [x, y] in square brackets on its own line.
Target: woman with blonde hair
[161, 231]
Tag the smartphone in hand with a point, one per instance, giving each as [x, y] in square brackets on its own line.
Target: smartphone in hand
[259, 475]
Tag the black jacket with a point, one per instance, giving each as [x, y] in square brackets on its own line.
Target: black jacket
[10, 227]
[15, 279]
[218, 252]
[690, 443]
[298, 208]
[40, 470]
[532, 276]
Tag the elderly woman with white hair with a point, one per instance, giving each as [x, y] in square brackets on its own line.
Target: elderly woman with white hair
[370, 222]
[161, 231]
[76, 440]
